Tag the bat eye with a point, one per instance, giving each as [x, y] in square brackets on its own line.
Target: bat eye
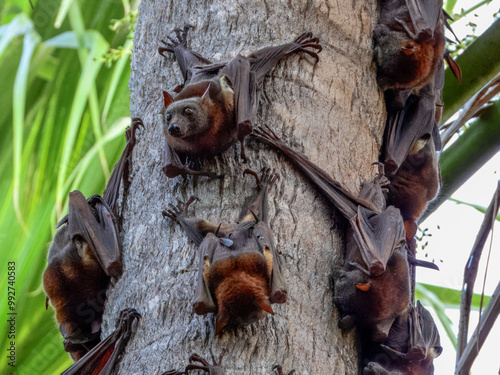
[188, 111]
[168, 117]
[401, 243]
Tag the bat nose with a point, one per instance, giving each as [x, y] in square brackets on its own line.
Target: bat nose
[174, 129]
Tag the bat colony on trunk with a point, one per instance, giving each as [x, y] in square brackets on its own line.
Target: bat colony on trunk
[239, 270]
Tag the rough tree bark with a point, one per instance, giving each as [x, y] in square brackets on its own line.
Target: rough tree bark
[333, 112]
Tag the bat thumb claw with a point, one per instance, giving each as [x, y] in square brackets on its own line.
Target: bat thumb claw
[265, 305]
[363, 287]
[221, 323]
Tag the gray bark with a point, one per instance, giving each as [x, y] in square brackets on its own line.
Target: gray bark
[332, 112]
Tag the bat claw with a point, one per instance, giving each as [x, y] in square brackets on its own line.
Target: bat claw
[180, 40]
[250, 172]
[309, 44]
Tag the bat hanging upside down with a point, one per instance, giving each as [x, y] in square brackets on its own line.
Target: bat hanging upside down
[239, 272]
[217, 104]
[84, 256]
[410, 348]
[409, 46]
[372, 288]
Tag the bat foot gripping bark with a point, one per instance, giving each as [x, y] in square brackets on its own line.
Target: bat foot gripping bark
[239, 267]
[278, 370]
[410, 348]
[204, 365]
[103, 357]
[218, 103]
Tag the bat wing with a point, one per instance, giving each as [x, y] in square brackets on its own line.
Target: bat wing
[247, 74]
[93, 221]
[424, 336]
[203, 302]
[245, 95]
[405, 127]
[344, 201]
[265, 238]
[377, 236]
[102, 358]
[425, 15]
[186, 58]
[121, 169]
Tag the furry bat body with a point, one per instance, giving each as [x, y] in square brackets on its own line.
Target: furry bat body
[409, 46]
[375, 274]
[239, 273]
[409, 153]
[410, 348]
[217, 105]
[103, 357]
[83, 257]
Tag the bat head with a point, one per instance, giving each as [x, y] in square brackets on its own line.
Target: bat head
[242, 298]
[187, 118]
[197, 108]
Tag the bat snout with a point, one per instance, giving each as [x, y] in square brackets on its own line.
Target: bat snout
[174, 130]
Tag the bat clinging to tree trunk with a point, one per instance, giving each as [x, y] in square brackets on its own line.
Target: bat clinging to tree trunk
[409, 45]
[410, 348]
[217, 104]
[375, 274]
[83, 257]
[410, 151]
[239, 273]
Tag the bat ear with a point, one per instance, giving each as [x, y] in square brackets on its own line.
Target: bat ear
[167, 99]
[265, 305]
[46, 302]
[221, 322]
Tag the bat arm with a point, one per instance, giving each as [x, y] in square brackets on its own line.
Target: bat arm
[203, 302]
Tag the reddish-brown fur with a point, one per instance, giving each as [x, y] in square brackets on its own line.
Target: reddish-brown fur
[238, 285]
[414, 186]
[222, 132]
[419, 68]
[76, 290]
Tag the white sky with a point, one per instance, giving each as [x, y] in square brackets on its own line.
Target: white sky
[459, 225]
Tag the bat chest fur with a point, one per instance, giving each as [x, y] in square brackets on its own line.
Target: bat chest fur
[410, 191]
[237, 283]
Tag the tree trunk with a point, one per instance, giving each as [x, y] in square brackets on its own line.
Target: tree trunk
[332, 112]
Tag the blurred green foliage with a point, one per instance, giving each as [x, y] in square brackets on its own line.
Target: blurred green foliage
[64, 68]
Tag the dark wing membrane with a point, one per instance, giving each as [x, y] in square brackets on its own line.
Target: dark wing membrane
[97, 229]
[406, 126]
[102, 358]
[425, 15]
[203, 302]
[377, 236]
[424, 335]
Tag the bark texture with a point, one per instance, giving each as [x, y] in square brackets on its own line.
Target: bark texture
[333, 112]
